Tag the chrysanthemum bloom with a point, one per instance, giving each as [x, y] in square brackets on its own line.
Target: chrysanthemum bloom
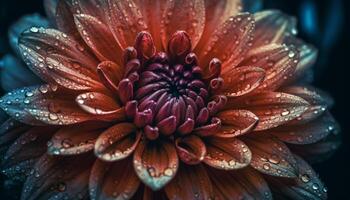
[178, 99]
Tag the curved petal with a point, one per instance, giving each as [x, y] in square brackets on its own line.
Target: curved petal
[76, 139]
[278, 60]
[272, 108]
[242, 80]
[58, 177]
[241, 184]
[273, 26]
[236, 122]
[191, 149]
[125, 21]
[271, 156]
[306, 186]
[117, 142]
[43, 105]
[115, 180]
[191, 182]
[10, 130]
[16, 75]
[64, 19]
[188, 16]
[306, 133]
[229, 42]
[227, 154]
[99, 38]
[156, 163]
[110, 75]
[57, 58]
[25, 151]
[50, 9]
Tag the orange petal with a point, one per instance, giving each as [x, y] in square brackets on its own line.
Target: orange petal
[272, 26]
[76, 139]
[191, 182]
[188, 16]
[306, 186]
[115, 180]
[156, 163]
[117, 142]
[64, 19]
[242, 80]
[54, 177]
[57, 58]
[236, 122]
[125, 21]
[191, 149]
[278, 60]
[227, 154]
[239, 184]
[99, 38]
[229, 42]
[271, 156]
[97, 103]
[44, 105]
[272, 108]
[110, 75]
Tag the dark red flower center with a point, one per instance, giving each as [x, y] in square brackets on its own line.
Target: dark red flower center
[167, 94]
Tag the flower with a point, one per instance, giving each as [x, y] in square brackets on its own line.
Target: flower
[175, 99]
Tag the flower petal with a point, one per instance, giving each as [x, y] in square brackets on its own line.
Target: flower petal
[58, 177]
[99, 38]
[241, 184]
[43, 105]
[76, 139]
[236, 122]
[115, 180]
[191, 182]
[57, 58]
[156, 163]
[272, 26]
[125, 21]
[272, 108]
[271, 156]
[64, 19]
[50, 9]
[117, 142]
[188, 16]
[229, 42]
[306, 186]
[24, 152]
[191, 149]
[110, 75]
[306, 133]
[10, 130]
[278, 60]
[16, 75]
[242, 80]
[227, 154]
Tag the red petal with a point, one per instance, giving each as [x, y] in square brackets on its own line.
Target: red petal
[97, 103]
[227, 154]
[271, 156]
[115, 180]
[156, 163]
[188, 16]
[306, 186]
[236, 122]
[110, 75]
[125, 21]
[99, 38]
[272, 26]
[229, 42]
[191, 149]
[191, 182]
[242, 80]
[76, 139]
[44, 105]
[64, 19]
[278, 60]
[272, 108]
[59, 177]
[241, 184]
[117, 142]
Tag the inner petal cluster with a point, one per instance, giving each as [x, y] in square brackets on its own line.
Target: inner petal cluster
[166, 94]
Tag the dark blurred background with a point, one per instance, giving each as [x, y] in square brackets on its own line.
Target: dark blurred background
[323, 23]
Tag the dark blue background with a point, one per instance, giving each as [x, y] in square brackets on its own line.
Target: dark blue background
[323, 23]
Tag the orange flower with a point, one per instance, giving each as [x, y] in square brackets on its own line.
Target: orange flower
[171, 99]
